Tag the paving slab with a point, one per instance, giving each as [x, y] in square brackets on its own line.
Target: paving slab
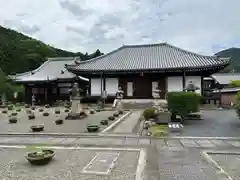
[189, 143]
[234, 143]
[174, 143]
[129, 123]
[205, 143]
[144, 141]
[131, 141]
[69, 164]
[220, 143]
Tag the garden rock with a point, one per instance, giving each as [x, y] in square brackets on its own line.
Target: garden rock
[18, 110]
[59, 121]
[57, 111]
[46, 114]
[92, 128]
[40, 110]
[4, 111]
[31, 116]
[111, 118]
[37, 128]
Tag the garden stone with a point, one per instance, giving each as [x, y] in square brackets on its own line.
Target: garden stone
[37, 128]
[12, 119]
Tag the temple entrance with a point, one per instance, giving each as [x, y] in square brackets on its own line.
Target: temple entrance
[143, 87]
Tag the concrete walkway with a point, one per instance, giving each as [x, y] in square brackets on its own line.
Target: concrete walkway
[127, 125]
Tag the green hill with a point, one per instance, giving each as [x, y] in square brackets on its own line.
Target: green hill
[20, 53]
[234, 54]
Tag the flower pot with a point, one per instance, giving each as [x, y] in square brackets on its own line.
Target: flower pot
[59, 121]
[120, 112]
[115, 114]
[45, 114]
[57, 111]
[37, 128]
[92, 128]
[111, 118]
[91, 111]
[104, 122]
[13, 120]
[31, 116]
[40, 158]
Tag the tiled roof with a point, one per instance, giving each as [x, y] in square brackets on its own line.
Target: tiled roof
[147, 57]
[52, 69]
[226, 78]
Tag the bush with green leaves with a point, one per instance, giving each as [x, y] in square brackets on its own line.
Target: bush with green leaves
[183, 103]
[149, 113]
[18, 109]
[236, 104]
[14, 113]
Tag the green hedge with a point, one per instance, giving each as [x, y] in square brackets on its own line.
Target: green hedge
[182, 103]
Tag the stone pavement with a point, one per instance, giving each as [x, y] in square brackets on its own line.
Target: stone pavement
[128, 125]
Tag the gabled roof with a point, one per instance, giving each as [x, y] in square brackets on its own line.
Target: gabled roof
[225, 78]
[147, 57]
[50, 70]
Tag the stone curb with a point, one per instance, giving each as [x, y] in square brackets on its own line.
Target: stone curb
[208, 158]
[113, 125]
[106, 135]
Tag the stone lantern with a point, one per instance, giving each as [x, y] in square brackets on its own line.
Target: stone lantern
[118, 100]
[191, 87]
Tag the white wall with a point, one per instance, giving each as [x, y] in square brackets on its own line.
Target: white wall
[174, 83]
[111, 86]
[154, 86]
[196, 80]
[96, 86]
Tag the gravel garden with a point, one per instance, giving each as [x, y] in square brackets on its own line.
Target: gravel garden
[26, 118]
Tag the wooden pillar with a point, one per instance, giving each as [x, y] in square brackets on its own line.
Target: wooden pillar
[49, 94]
[202, 85]
[184, 79]
[28, 94]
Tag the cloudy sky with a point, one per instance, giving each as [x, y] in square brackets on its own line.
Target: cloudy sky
[203, 26]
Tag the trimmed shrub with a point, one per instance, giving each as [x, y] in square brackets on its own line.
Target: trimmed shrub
[236, 104]
[183, 103]
[149, 113]
[59, 121]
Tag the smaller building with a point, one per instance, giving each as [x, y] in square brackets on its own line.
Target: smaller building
[51, 81]
[218, 83]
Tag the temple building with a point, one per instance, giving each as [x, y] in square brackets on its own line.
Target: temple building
[139, 69]
[51, 81]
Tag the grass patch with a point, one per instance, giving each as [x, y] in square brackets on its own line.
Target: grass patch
[158, 130]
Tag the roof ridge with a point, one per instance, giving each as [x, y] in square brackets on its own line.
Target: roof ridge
[96, 58]
[63, 58]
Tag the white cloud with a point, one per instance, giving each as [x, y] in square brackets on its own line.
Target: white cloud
[204, 26]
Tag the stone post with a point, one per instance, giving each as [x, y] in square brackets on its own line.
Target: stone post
[156, 96]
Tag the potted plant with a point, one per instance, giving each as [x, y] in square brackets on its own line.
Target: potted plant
[59, 121]
[14, 113]
[27, 106]
[111, 118]
[4, 111]
[47, 106]
[41, 157]
[10, 107]
[18, 110]
[104, 122]
[31, 116]
[37, 128]
[40, 110]
[91, 111]
[57, 111]
[46, 114]
[12, 119]
[82, 113]
[115, 114]
[120, 112]
[92, 128]
[33, 108]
